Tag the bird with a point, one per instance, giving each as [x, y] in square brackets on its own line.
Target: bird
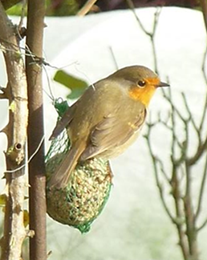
[106, 119]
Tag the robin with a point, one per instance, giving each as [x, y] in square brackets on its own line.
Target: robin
[106, 119]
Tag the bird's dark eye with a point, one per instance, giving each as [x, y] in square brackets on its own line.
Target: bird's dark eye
[141, 83]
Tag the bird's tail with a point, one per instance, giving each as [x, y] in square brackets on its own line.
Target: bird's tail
[62, 174]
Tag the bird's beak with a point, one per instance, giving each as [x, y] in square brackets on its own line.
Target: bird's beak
[162, 84]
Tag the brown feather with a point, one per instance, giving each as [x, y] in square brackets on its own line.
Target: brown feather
[110, 134]
[62, 174]
[64, 121]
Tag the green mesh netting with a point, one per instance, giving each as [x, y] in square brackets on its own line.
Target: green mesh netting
[87, 192]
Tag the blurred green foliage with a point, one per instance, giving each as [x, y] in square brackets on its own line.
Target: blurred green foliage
[15, 9]
[53, 8]
[62, 7]
[76, 85]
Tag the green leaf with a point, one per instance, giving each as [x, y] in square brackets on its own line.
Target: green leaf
[76, 85]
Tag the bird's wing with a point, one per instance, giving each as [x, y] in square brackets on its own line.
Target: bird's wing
[112, 132]
[61, 176]
[64, 121]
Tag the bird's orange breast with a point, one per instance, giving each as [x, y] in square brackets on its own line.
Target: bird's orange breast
[143, 95]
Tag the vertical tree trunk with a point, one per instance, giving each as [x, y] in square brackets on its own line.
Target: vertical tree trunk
[16, 94]
[37, 203]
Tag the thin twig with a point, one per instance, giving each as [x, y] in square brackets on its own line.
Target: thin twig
[152, 37]
[86, 8]
[191, 119]
[132, 7]
[200, 150]
[113, 57]
[202, 190]
[184, 147]
[205, 102]
[150, 34]
[173, 134]
[155, 160]
[178, 219]
[24, 4]
[162, 169]
[175, 109]
[202, 225]
[175, 184]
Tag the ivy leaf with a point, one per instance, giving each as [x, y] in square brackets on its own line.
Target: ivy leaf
[76, 85]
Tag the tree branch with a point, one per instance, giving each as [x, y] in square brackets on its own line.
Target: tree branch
[37, 202]
[16, 133]
[201, 149]
[202, 191]
[191, 231]
[150, 34]
[178, 219]
[155, 161]
[203, 4]
[86, 8]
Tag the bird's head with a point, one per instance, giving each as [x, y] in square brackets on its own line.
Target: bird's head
[141, 82]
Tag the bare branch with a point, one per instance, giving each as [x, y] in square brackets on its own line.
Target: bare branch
[203, 4]
[155, 160]
[174, 108]
[191, 119]
[37, 201]
[150, 34]
[16, 92]
[189, 215]
[113, 57]
[162, 170]
[205, 102]
[185, 214]
[24, 4]
[202, 191]
[178, 219]
[156, 19]
[86, 8]
[132, 7]
[202, 225]
[201, 149]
